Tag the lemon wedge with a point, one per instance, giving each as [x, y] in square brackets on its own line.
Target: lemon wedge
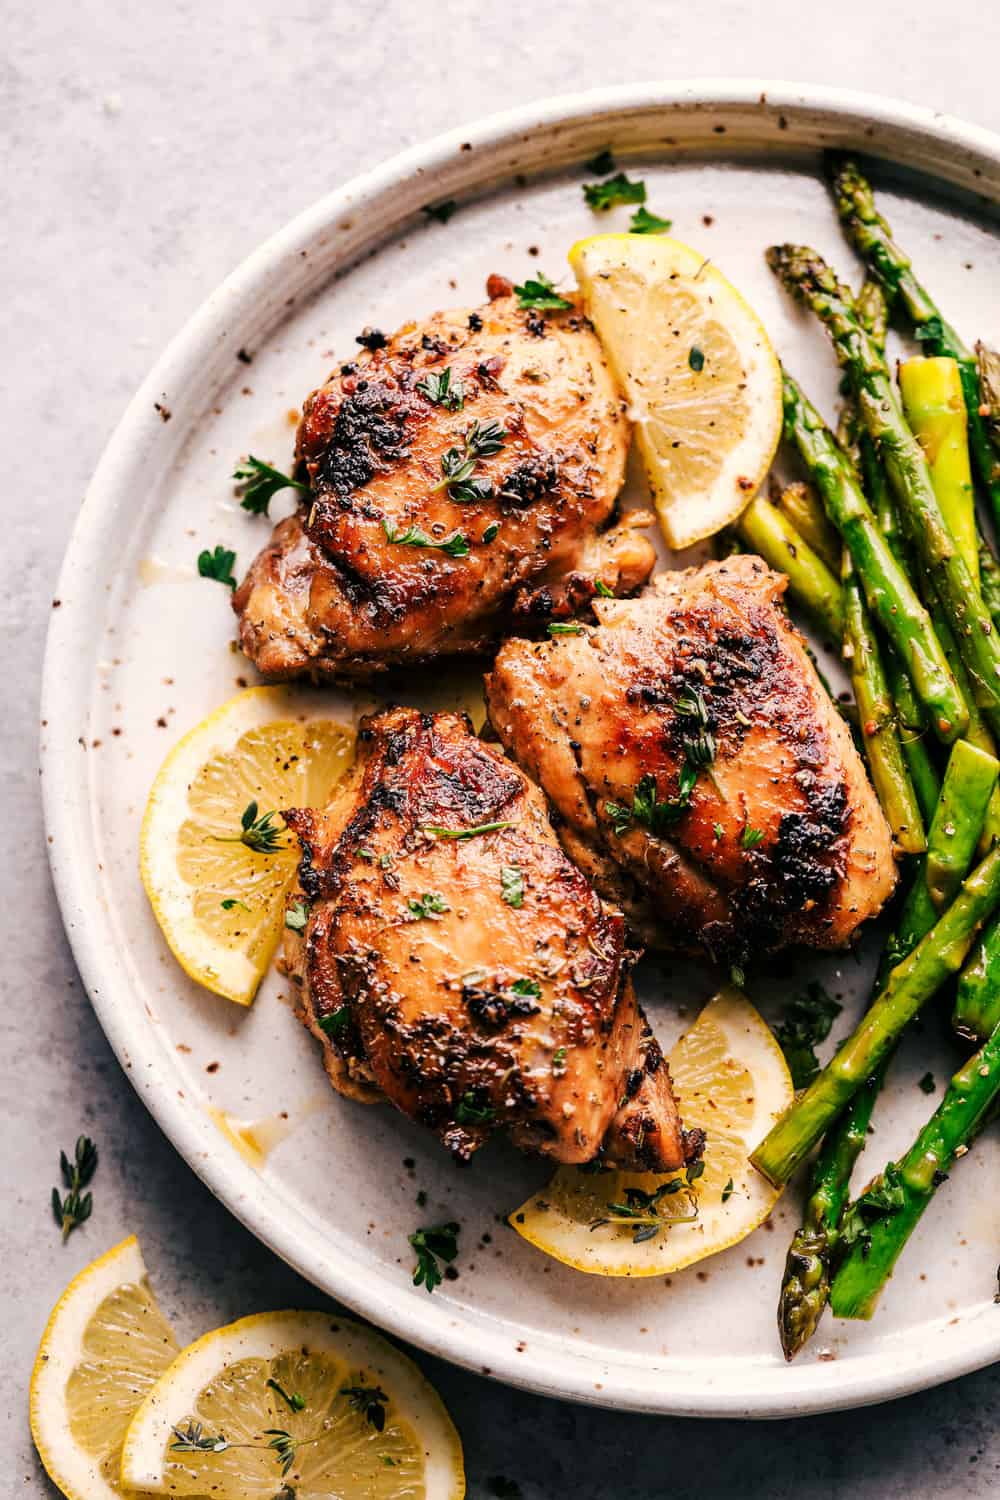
[702, 381]
[105, 1345]
[731, 1080]
[215, 865]
[306, 1403]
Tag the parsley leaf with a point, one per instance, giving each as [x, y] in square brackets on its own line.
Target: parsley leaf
[218, 565]
[260, 483]
[454, 545]
[440, 1242]
[643, 222]
[297, 916]
[430, 904]
[883, 1198]
[602, 163]
[538, 292]
[231, 902]
[337, 1022]
[696, 359]
[512, 885]
[807, 1021]
[601, 196]
[470, 1112]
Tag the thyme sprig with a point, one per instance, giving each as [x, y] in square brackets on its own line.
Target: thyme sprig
[75, 1208]
[260, 482]
[462, 833]
[641, 1210]
[455, 545]
[700, 749]
[258, 832]
[441, 390]
[194, 1439]
[370, 1401]
[458, 464]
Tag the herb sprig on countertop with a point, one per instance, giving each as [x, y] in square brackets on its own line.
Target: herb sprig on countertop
[438, 1243]
[75, 1208]
[260, 483]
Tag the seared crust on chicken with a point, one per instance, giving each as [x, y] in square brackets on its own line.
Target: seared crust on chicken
[782, 841]
[338, 593]
[457, 963]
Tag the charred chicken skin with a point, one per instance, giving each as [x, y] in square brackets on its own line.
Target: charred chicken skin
[461, 473]
[457, 964]
[698, 771]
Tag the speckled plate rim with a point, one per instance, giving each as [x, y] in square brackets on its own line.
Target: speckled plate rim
[729, 117]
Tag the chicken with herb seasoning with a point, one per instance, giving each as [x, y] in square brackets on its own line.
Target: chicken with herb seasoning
[452, 479]
[701, 775]
[452, 960]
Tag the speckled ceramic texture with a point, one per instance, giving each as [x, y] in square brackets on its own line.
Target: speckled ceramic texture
[141, 649]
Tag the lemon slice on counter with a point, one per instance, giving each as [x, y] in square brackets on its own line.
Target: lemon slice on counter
[304, 1401]
[105, 1345]
[731, 1080]
[215, 857]
[701, 378]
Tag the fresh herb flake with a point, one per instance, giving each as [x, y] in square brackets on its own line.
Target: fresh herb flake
[260, 482]
[370, 1401]
[337, 1022]
[297, 916]
[231, 902]
[807, 1021]
[696, 359]
[565, 627]
[643, 222]
[440, 212]
[217, 564]
[292, 1399]
[728, 1191]
[430, 904]
[601, 164]
[470, 1112]
[600, 196]
[75, 1208]
[440, 391]
[512, 885]
[438, 1243]
[454, 545]
[602, 591]
[539, 292]
[927, 1084]
[751, 837]
[462, 833]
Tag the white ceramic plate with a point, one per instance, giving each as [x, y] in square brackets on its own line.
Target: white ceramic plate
[140, 649]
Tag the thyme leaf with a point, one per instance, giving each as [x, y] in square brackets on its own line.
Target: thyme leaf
[440, 391]
[454, 545]
[75, 1208]
[370, 1401]
[430, 904]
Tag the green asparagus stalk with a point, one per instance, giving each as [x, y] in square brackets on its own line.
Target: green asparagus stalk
[877, 713]
[951, 841]
[989, 580]
[887, 1213]
[888, 592]
[872, 238]
[911, 983]
[977, 998]
[935, 409]
[878, 404]
[799, 503]
[763, 527]
[912, 725]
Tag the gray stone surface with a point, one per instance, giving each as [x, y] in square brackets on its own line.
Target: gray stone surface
[149, 149]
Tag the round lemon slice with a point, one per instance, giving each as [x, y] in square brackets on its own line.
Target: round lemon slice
[304, 1403]
[105, 1345]
[702, 381]
[215, 857]
[731, 1080]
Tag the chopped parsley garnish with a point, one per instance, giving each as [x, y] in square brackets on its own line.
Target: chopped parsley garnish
[927, 1084]
[601, 196]
[470, 1112]
[217, 564]
[930, 331]
[559, 1061]
[75, 1208]
[440, 212]
[696, 359]
[297, 916]
[602, 591]
[885, 1197]
[454, 545]
[728, 1191]
[458, 465]
[719, 831]
[440, 391]
[337, 1022]
[462, 833]
[260, 483]
[432, 1245]
[751, 837]
[491, 533]
[565, 627]
[231, 902]
[370, 1401]
[602, 163]
[539, 292]
[430, 904]
[807, 1021]
[643, 222]
[512, 885]
[529, 987]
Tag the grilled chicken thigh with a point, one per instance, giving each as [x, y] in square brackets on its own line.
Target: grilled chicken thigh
[461, 473]
[456, 963]
[698, 771]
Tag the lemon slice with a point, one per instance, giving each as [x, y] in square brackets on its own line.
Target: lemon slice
[105, 1345]
[220, 902]
[214, 1425]
[701, 378]
[730, 1079]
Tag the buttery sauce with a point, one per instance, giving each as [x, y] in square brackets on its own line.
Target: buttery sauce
[256, 1139]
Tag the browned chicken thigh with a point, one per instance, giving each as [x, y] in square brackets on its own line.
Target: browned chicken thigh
[461, 473]
[456, 963]
[698, 771]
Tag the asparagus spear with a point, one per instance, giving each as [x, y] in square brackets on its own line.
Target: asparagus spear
[799, 503]
[877, 713]
[910, 984]
[951, 842]
[989, 580]
[806, 275]
[977, 999]
[887, 1213]
[935, 409]
[912, 726]
[763, 527]
[872, 238]
[889, 593]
